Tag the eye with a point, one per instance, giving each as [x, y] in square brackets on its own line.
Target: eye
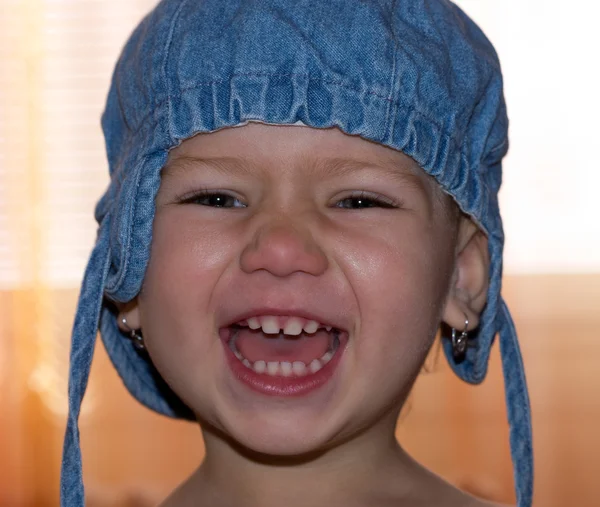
[213, 200]
[363, 200]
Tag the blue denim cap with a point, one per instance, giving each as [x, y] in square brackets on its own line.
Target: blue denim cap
[417, 76]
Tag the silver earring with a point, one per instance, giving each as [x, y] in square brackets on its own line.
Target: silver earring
[135, 335]
[459, 342]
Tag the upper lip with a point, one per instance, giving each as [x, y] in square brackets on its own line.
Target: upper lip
[326, 321]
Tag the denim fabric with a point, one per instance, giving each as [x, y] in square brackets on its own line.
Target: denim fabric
[417, 76]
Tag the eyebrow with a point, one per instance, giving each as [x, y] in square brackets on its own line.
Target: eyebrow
[228, 166]
[325, 169]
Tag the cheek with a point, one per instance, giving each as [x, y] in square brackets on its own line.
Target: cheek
[400, 287]
[184, 250]
[185, 263]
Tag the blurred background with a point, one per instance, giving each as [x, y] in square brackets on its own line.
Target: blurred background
[56, 58]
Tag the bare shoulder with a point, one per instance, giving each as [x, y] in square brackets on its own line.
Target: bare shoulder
[436, 491]
[476, 502]
[432, 489]
[468, 500]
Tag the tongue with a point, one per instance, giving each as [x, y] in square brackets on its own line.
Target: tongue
[254, 345]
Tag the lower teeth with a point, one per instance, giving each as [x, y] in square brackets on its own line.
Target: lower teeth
[285, 368]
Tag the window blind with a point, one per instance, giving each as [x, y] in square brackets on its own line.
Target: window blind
[56, 59]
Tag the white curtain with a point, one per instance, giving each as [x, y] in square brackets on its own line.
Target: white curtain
[56, 58]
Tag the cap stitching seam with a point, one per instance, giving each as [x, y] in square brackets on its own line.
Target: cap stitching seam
[132, 211]
[397, 101]
[169, 40]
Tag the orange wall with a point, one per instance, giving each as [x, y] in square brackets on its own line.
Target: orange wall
[134, 457]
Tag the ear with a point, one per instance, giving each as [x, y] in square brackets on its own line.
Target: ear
[467, 294]
[129, 311]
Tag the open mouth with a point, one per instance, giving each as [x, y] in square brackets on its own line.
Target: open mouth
[278, 354]
[275, 362]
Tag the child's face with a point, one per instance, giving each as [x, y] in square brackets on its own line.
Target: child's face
[285, 233]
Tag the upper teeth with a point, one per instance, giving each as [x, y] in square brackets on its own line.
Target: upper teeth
[293, 325]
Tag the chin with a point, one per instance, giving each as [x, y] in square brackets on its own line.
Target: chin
[288, 436]
[283, 445]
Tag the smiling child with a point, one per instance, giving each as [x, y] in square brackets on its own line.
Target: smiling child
[301, 193]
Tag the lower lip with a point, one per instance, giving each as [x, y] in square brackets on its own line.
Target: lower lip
[279, 385]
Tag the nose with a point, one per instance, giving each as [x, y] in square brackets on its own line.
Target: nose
[282, 247]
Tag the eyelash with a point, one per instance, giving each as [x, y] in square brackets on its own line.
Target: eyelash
[204, 194]
[377, 199]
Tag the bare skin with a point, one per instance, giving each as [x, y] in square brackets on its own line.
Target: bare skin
[387, 490]
[391, 271]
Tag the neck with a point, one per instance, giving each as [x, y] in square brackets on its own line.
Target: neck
[344, 474]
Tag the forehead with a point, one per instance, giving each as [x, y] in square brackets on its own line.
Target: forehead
[257, 149]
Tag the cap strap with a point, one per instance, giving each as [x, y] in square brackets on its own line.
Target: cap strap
[84, 333]
[519, 413]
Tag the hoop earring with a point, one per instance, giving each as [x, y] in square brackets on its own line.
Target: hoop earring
[459, 343]
[135, 335]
